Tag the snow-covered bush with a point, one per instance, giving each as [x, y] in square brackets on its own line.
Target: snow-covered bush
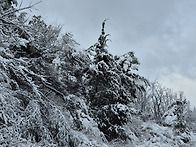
[175, 118]
[110, 120]
[175, 115]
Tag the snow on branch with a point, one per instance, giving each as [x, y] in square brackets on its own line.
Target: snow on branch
[5, 20]
[22, 31]
[20, 9]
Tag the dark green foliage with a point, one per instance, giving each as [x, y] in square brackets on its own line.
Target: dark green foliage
[112, 78]
[111, 118]
[111, 82]
[28, 50]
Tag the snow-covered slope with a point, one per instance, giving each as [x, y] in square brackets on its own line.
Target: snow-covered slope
[36, 112]
[33, 112]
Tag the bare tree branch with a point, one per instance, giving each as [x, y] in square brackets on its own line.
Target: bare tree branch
[20, 9]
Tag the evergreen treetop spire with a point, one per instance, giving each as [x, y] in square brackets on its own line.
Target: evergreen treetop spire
[103, 25]
[102, 38]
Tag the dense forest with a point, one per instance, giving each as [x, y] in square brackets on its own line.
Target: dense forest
[52, 94]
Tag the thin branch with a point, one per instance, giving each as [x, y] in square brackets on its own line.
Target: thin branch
[20, 4]
[47, 84]
[53, 89]
[20, 9]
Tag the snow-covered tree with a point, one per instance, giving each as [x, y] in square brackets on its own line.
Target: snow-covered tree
[44, 37]
[111, 86]
[156, 101]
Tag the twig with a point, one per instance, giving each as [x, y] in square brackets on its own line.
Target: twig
[20, 9]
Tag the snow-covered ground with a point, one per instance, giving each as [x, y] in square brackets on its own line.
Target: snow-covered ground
[151, 134]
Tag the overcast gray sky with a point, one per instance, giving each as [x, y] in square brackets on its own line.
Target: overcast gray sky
[162, 33]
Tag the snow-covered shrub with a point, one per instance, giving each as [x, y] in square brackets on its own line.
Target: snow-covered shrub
[175, 115]
[169, 117]
[111, 118]
[155, 135]
[82, 119]
[175, 118]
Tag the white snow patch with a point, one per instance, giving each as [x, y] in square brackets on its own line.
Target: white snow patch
[3, 60]
[23, 42]
[2, 49]
[56, 61]
[122, 107]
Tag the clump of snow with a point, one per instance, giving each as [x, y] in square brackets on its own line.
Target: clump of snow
[122, 108]
[169, 117]
[56, 62]
[72, 78]
[23, 42]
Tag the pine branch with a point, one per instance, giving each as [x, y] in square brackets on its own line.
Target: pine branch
[47, 84]
[23, 33]
[53, 89]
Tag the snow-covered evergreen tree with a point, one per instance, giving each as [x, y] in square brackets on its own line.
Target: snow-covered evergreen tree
[112, 85]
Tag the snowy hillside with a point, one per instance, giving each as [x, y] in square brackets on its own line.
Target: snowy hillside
[51, 94]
